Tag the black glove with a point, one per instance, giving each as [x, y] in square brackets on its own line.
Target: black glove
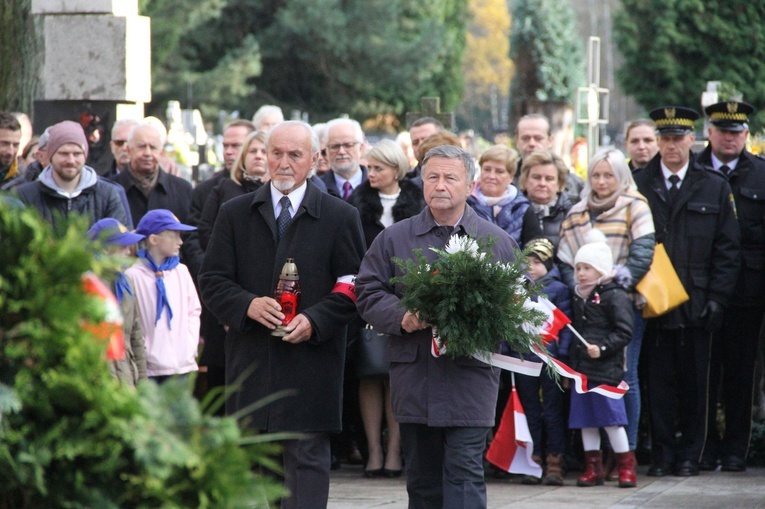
[712, 316]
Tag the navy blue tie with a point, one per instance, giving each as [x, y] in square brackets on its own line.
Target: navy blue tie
[284, 216]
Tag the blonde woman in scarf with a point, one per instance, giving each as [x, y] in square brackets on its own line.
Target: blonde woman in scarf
[610, 203]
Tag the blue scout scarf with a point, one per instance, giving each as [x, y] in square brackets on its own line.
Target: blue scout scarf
[170, 263]
[121, 287]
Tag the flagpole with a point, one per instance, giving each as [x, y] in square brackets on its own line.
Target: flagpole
[579, 336]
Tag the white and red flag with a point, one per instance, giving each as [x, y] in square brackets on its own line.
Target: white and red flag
[556, 320]
[512, 448]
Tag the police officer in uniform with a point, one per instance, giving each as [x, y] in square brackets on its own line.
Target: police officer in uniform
[694, 216]
[734, 347]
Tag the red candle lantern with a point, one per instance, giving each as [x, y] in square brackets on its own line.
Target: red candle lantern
[287, 294]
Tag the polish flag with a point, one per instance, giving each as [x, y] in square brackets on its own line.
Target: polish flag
[512, 447]
[110, 328]
[556, 320]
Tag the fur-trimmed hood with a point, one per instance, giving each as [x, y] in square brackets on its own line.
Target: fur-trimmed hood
[367, 200]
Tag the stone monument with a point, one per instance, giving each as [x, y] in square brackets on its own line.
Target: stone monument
[97, 67]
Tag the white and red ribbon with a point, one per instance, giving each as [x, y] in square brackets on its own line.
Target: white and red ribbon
[513, 364]
[556, 320]
[580, 381]
[437, 345]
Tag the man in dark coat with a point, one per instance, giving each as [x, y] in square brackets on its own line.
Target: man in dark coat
[146, 184]
[344, 139]
[234, 135]
[694, 216]
[735, 346]
[445, 406]
[238, 278]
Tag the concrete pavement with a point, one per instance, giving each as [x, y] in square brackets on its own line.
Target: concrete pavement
[712, 490]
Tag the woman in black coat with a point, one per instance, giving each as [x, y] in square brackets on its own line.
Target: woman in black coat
[248, 173]
[384, 199]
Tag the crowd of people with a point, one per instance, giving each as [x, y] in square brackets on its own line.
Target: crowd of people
[206, 261]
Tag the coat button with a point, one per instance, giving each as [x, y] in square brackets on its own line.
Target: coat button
[703, 209]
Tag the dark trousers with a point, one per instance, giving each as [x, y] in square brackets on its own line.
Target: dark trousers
[444, 466]
[160, 379]
[352, 437]
[216, 377]
[734, 353]
[545, 417]
[632, 401]
[213, 357]
[677, 383]
[306, 471]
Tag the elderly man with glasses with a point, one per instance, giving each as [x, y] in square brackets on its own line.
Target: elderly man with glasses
[344, 138]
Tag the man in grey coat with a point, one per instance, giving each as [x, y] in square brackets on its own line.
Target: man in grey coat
[445, 406]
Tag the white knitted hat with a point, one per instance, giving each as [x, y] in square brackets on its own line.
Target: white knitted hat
[595, 252]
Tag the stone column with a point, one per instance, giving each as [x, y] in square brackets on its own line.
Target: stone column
[97, 67]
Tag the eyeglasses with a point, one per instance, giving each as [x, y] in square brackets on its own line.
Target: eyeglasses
[119, 143]
[337, 146]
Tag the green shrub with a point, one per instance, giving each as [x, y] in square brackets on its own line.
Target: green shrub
[70, 435]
